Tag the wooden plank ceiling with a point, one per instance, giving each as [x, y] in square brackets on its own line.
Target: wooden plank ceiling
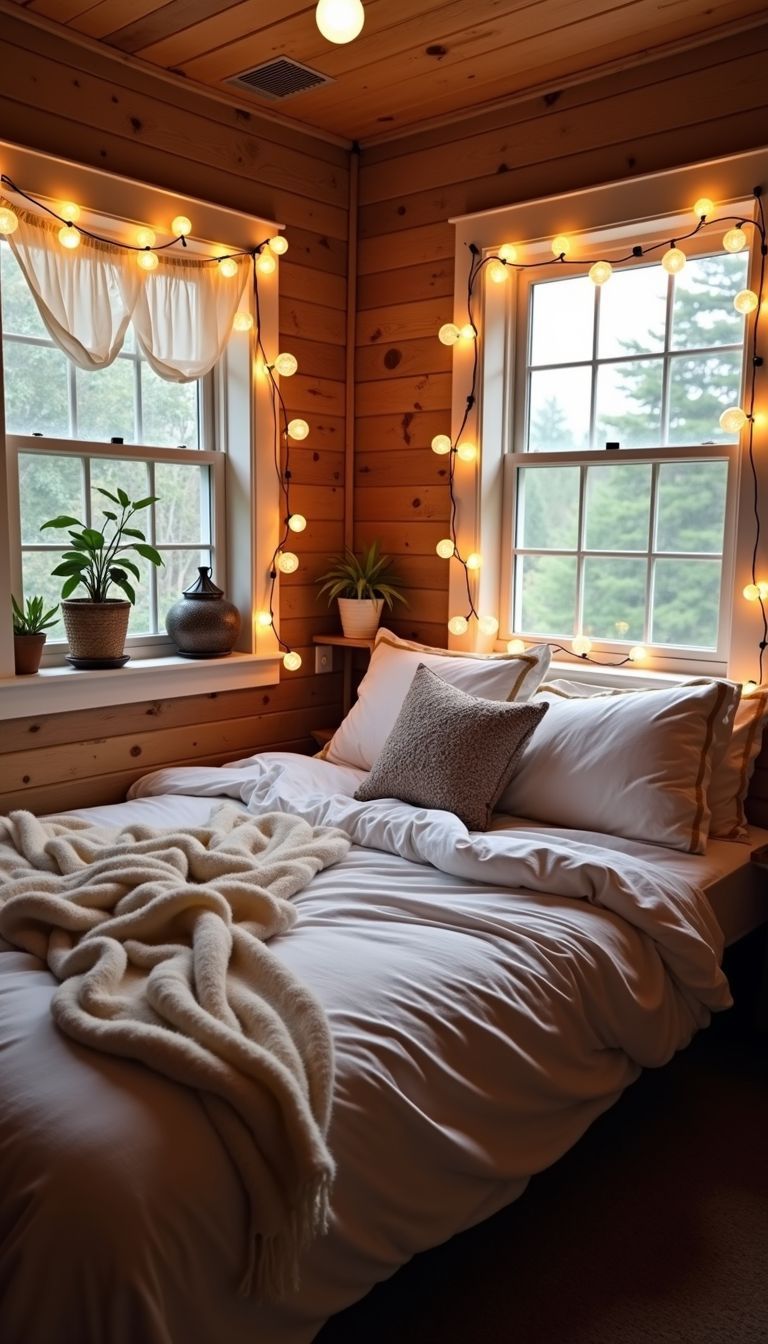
[415, 59]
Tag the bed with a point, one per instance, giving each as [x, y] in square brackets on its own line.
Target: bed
[483, 1014]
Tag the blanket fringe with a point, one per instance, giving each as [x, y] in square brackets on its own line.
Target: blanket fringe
[273, 1266]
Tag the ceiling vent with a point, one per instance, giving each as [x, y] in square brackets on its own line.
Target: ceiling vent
[281, 78]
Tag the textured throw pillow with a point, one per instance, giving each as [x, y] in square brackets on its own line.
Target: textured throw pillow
[365, 729]
[451, 750]
[636, 765]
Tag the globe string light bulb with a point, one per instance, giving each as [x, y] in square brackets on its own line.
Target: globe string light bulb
[69, 236]
[673, 260]
[292, 660]
[287, 562]
[474, 560]
[445, 548]
[69, 211]
[637, 653]
[762, 588]
[297, 522]
[746, 301]
[734, 240]
[147, 260]
[458, 625]
[748, 687]
[467, 452]
[703, 207]
[467, 332]
[515, 646]
[263, 620]
[181, 226]
[340, 21]
[581, 645]
[298, 430]
[278, 244]
[145, 237]
[751, 592]
[228, 267]
[488, 625]
[242, 321]
[497, 272]
[733, 419]
[561, 245]
[441, 444]
[286, 365]
[448, 333]
[508, 252]
[265, 263]
[9, 221]
[600, 272]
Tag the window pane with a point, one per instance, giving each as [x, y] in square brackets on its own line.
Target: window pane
[633, 307]
[563, 321]
[37, 579]
[559, 410]
[618, 507]
[629, 404]
[182, 513]
[686, 602]
[546, 595]
[614, 598]
[169, 410]
[48, 486]
[700, 388]
[691, 506]
[36, 396]
[139, 622]
[112, 474]
[105, 403]
[703, 313]
[178, 572]
[20, 315]
[548, 508]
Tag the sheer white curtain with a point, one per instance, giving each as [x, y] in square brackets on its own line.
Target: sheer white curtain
[182, 311]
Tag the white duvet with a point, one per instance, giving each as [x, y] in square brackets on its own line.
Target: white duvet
[488, 996]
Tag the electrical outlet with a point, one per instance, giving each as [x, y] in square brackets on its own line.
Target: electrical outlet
[323, 658]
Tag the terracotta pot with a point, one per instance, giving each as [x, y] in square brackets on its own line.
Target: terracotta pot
[27, 652]
[360, 616]
[96, 630]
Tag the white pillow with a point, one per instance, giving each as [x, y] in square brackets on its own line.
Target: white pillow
[636, 765]
[730, 778]
[495, 676]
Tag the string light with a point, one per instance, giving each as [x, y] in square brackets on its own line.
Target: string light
[242, 321]
[69, 236]
[748, 687]
[508, 253]
[673, 260]
[467, 332]
[449, 333]
[148, 261]
[600, 272]
[734, 240]
[297, 522]
[733, 419]
[467, 452]
[286, 365]
[9, 221]
[441, 444]
[637, 653]
[445, 548]
[751, 592]
[488, 625]
[340, 21]
[474, 560]
[69, 211]
[278, 244]
[145, 237]
[292, 660]
[263, 620]
[561, 245]
[515, 646]
[181, 226]
[298, 430]
[265, 263]
[745, 301]
[228, 267]
[497, 272]
[287, 562]
[581, 645]
[703, 207]
[458, 625]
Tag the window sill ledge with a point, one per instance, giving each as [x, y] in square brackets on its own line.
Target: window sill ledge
[57, 690]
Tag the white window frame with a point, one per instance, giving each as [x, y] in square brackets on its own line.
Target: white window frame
[595, 220]
[246, 519]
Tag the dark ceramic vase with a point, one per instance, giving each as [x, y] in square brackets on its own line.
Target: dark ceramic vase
[203, 624]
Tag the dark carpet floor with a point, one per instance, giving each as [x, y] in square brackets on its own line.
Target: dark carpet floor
[652, 1230]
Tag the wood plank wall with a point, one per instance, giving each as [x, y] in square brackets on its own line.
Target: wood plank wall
[65, 100]
[709, 101]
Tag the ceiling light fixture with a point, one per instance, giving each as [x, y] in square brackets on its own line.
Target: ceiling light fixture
[340, 20]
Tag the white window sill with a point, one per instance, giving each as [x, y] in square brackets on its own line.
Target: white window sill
[55, 690]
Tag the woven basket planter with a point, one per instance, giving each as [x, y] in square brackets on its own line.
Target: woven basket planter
[95, 630]
[360, 616]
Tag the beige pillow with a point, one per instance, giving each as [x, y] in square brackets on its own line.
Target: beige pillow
[496, 676]
[636, 765]
[730, 778]
[450, 750]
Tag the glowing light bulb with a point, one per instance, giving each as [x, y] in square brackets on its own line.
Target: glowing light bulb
[497, 272]
[762, 588]
[748, 687]
[445, 548]
[298, 429]
[561, 245]
[703, 207]
[228, 267]
[600, 272]
[286, 365]
[441, 444]
[467, 452]
[448, 333]
[265, 263]
[467, 332]
[746, 301]
[292, 660]
[287, 562]
[340, 20]
[297, 522]
[69, 211]
[733, 419]
[242, 321]
[673, 260]
[148, 261]
[508, 252]
[488, 625]
[515, 646]
[145, 237]
[734, 240]
[474, 560]
[637, 653]
[458, 625]
[581, 645]
[751, 592]
[181, 226]
[263, 620]
[9, 222]
[69, 236]
[278, 244]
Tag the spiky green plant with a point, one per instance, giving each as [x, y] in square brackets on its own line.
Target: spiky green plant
[370, 576]
[97, 560]
[35, 619]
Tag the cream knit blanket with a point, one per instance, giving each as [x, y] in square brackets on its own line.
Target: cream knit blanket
[158, 940]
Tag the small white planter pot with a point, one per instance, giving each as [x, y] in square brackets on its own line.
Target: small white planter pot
[360, 616]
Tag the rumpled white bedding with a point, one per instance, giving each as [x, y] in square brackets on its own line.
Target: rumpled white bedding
[488, 997]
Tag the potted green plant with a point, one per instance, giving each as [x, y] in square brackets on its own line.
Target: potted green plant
[362, 586]
[97, 624]
[29, 627]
